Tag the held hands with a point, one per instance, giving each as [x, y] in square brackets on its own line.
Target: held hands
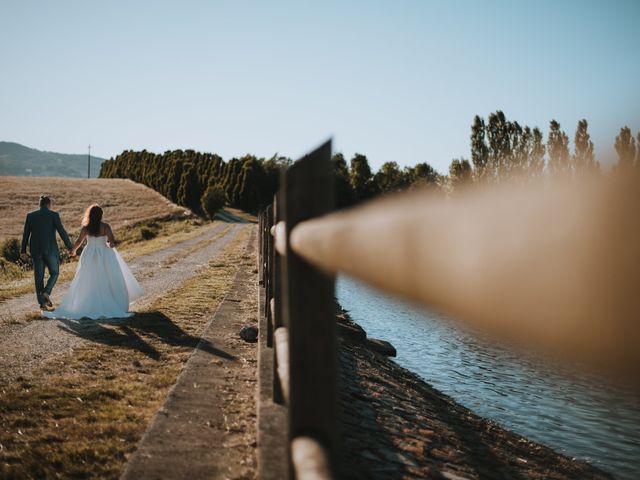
[72, 252]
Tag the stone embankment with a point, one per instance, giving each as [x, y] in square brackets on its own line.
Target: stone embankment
[394, 425]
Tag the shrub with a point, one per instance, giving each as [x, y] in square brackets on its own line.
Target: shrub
[212, 200]
[10, 250]
[148, 233]
[8, 269]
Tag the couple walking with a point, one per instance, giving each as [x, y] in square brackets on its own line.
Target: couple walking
[103, 286]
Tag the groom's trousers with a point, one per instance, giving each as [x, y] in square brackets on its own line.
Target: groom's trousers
[52, 262]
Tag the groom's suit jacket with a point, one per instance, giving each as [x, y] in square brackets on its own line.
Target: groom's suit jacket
[40, 227]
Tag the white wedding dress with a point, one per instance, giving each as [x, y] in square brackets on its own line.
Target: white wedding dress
[103, 286]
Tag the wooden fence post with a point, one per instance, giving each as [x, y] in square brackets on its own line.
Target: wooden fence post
[268, 276]
[278, 260]
[265, 244]
[309, 311]
[260, 246]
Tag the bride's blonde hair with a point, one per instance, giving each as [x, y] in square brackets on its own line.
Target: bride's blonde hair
[92, 218]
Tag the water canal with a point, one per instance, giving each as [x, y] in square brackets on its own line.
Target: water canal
[575, 416]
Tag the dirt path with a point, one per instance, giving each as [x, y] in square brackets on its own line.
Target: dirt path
[207, 425]
[26, 344]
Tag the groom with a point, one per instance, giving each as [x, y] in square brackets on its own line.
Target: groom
[41, 226]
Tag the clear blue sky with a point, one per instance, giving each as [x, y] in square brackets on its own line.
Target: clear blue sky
[396, 80]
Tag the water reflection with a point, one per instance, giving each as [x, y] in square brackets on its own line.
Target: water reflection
[573, 415]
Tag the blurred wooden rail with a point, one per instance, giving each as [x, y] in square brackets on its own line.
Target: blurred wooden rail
[555, 267]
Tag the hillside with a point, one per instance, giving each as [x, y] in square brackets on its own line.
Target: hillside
[16, 159]
[124, 201]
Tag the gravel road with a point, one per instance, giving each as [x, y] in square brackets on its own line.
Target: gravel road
[25, 345]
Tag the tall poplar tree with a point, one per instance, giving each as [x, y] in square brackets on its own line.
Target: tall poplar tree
[584, 158]
[558, 149]
[479, 149]
[536, 156]
[498, 136]
[626, 148]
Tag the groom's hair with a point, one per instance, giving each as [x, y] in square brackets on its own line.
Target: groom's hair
[44, 200]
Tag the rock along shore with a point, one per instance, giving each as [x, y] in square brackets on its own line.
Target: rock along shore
[394, 425]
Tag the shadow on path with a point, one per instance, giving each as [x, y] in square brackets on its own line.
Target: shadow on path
[133, 332]
[229, 217]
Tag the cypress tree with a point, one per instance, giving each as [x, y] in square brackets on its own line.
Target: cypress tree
[189, 192]
[174, 179]
[249, 197]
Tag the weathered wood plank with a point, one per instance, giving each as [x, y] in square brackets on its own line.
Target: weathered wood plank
[308, 309]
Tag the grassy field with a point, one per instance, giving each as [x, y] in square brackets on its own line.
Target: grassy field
[82, 414]
[124, 202]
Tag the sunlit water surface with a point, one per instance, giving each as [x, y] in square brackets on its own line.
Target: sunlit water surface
[576, 417]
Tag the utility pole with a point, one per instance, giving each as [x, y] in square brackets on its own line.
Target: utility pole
[89, 163]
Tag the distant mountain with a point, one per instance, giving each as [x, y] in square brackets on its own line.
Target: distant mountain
[16, 159]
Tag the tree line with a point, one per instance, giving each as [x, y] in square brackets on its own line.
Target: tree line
[204, 182]
[500, 149]
[503, 150]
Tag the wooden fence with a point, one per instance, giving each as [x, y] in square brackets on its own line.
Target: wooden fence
[553, 266]
[299, 315]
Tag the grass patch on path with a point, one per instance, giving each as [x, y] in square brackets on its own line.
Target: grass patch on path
[194, 248]
[81, 414]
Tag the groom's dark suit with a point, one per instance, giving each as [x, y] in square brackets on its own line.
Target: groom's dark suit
[40, 227]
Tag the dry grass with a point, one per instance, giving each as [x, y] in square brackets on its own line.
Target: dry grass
[124, 202]
[80, 415]
[194, 248]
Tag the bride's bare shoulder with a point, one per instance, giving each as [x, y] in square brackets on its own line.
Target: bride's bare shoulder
[106, 228]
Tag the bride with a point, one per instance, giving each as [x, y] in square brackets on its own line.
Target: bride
[103, 286]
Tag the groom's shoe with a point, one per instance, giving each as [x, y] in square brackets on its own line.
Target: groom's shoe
[47, 300]
[45, 308]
